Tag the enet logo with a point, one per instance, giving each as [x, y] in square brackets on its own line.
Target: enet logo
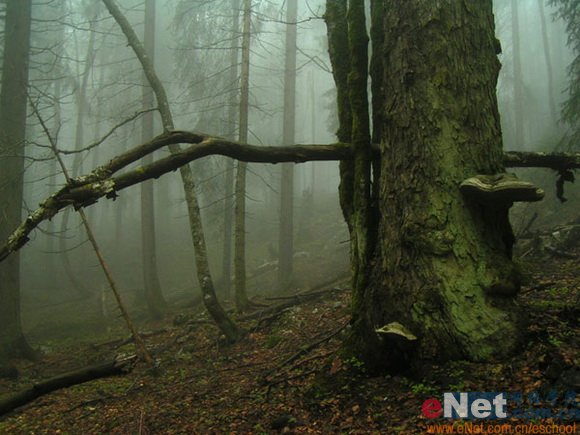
[467, 405]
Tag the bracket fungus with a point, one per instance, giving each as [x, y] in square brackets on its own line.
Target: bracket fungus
[500, 190]
[396, 328]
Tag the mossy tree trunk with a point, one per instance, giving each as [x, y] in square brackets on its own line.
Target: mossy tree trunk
[441, 265]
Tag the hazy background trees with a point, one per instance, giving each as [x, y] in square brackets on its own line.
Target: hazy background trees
[86, 81]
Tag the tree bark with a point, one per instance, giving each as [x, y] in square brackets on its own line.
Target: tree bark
[442, 266]
[13, 105]
[339, 53]
[362, 237]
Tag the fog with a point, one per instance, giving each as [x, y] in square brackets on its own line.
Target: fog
[86, 80]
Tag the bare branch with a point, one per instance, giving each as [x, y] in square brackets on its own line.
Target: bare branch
[109, 133]
[144, 353]
[86, 190]
[557, 161]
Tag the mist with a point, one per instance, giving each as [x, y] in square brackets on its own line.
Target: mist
[91, 99]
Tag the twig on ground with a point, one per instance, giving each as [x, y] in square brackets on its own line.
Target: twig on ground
[289, 378]
[296, 300]
[559, 253]
[303, 351]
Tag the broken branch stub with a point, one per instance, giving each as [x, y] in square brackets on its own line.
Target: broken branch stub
[500, 190]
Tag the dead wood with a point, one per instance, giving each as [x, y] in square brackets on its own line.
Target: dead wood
[303, 351]
[142, 350]
[86, 190]
[289, 378]
[559, 253]
[294, 300]
[116, 367]
[557, 161]
[118, 342]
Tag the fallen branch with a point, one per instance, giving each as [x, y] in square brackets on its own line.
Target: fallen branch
[116, 367]
[289, 378]
[119, 342]
[303, 351]
[559, 253]
[297, 300]
[86, 190]
[556, 161]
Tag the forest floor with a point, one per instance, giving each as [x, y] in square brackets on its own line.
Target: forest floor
[288, 375]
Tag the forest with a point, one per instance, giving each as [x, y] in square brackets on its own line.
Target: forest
[289, 216]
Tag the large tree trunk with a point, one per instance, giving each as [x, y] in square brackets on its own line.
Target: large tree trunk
[442, 266]
[13, 105]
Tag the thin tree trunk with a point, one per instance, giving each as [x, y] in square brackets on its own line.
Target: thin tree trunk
[119, 211]
[361, 237]
[548, 60]
[313, 126]
[152, 288]
[223, 321]
[517, 80]
[13, 105]
[286, 236]
[240, 211]
[52, 168]
[339, 54]
[229, 178]
[140, 345]
[77, 167]
[96, 152]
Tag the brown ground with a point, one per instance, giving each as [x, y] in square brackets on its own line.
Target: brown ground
[255, 387]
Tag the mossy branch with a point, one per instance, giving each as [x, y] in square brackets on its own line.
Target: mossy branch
[87, 189]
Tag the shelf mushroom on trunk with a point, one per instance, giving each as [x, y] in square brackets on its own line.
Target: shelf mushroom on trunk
[495, 194]
[500, 190]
